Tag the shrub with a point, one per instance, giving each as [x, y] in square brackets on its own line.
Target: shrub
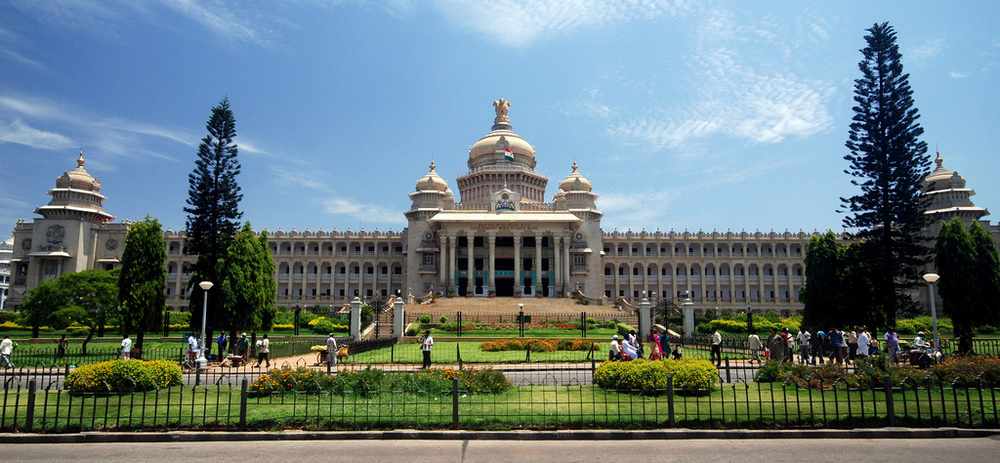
[452, 327]
[624, 328]
[443, 320]
[425, 319]
[323, 325]
[691, 376]
[124, 376]
[371, 382]
[576, 345]
[536, 345]
[968, 371]
[178, 317]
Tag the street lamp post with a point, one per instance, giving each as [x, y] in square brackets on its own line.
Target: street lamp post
[205, 286]
[931, 279]
[749, 319]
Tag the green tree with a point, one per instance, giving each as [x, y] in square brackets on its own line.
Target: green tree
[955, 259]
[87, 298]
[887, 163]
[248, 285]
[141, 280]
[212, 209]
[986, 274]
[822, 293]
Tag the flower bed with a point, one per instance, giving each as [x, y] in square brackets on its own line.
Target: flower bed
[537, 345]
[692, 377]
[124, 376]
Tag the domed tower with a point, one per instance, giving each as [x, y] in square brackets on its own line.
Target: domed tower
[74, 233]
[575, 192]
[431, 195]
[77, 195]
[500, 158]
[948, 197]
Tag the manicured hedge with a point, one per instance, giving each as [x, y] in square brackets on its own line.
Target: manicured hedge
[691, 376]
[537, 345]
[124, 376]
[959, 371]
[370, 382]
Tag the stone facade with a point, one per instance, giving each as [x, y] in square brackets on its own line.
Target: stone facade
[6, 252]
[499, 237]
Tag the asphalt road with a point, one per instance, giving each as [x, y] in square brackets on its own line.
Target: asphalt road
[686, 451]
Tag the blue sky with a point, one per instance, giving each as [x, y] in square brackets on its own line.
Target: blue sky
[685, 115]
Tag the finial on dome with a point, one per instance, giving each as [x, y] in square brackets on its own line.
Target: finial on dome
[80, 161]
[938, 160]
[502, 108]
[433, 166]
[574, 168]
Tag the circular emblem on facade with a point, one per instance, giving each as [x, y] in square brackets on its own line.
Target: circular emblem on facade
[111, 244]
[428, 236]
[26, 244]
[54, 235]
[579, 236]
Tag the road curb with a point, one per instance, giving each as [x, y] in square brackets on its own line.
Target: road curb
[564, 435]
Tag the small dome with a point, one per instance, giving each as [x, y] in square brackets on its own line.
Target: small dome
[432, 181]
[942, 176]
[575, 181]
[79, 178]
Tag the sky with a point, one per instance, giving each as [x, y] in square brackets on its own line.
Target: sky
[707, 115]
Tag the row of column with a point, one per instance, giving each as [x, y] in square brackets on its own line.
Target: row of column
[760, 285]
[449, 254]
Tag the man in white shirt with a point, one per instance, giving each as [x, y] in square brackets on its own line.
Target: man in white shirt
[331, 352]
[6, 349]
[803, 338]
[716, 354]
[425, 348]
[863, 341]
[126, 347]
[629, 351]
[753, 342]
[264, 352]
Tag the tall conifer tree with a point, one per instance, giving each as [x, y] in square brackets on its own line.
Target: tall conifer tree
[887, 163]
[213, 214]
[955, 259]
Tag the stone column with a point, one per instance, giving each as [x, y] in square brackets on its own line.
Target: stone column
[688, 321]
[556, 257]
[493, 267]
[566, 267]
[398, 318]
[442, 255]
[453, 266]
[645, 318]
[518, 288]
[356, 319]
[347, 281]
[471, 267]
[538, 265]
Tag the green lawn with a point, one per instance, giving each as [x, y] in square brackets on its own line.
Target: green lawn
[521, 407]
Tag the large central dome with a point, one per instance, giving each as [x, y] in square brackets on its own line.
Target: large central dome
[499, 159]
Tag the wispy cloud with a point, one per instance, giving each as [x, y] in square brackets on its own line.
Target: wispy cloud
[17, 131]
[299, 179]
[927, 50]
[517, 23]
[957, 75]
[362, 212]
[218, 18]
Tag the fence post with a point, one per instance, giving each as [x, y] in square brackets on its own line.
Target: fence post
[392, 353]
[30, 416]
[728, 377]
[197, 375]
[890, 409]
[243, 402]
[67, 369]
[454, 402]
[458, 354]
[670, 400]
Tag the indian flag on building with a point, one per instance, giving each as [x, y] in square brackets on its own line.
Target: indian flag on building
[508, 154]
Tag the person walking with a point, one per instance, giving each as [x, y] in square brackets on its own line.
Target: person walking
[61, 348]
[837, 346]
[756, 347]
[892, 344]
[656, 349]
[264, 352]
[817, 352]
[221, 342]
[716, 354]
[852, 344]
[864, 340]
[804, 339]
[126, 347]
[243, 347]
[776, 345]
[6, 350]
[331, 352]
[425, 348]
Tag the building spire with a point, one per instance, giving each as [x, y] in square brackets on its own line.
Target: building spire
[80, 161]
[938, 160]
[433, 166]
[574, 168]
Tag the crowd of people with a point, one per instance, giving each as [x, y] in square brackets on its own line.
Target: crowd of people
[833, 346]
[630, 347]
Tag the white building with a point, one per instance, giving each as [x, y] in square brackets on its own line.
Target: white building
[6, 253]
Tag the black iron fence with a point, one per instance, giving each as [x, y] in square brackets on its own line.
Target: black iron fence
[231, 404]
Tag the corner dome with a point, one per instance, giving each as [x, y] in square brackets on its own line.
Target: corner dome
[79, 178]
[575, 181]
[432, 181]
[943, 174]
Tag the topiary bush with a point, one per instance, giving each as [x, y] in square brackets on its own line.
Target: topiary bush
[124, 376]
[371, 382]
[691, 376]
[323, 325]
[425, 319]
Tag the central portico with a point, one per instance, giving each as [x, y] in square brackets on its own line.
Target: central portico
[503, 239]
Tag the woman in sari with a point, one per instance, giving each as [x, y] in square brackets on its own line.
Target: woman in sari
[655, 341]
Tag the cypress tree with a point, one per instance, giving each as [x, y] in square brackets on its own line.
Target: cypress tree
[141, 280]
[955, 259]
[887, 163]
[213, 214]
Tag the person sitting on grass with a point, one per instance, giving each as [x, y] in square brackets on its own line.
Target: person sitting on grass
[614, 349]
